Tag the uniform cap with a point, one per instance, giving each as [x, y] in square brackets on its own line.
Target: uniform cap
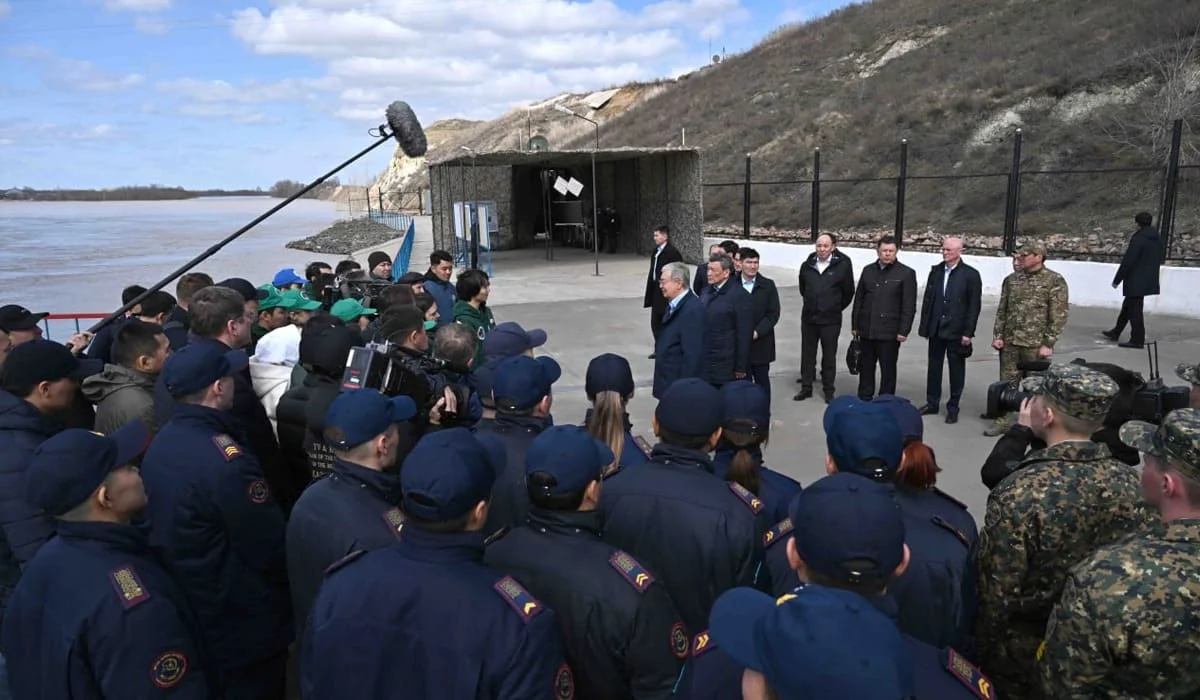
[272, 300]
[690, 407]
[1083, 392]
[446, 475]
[1032, 248]
[198, 365]
[608, 372]
[19, 318]
[481, 379]
[815, 643]
[1189, 373]
[1178, 438]
[848, 528]
[67, 468]
[509, 339]
[242, 286]
[44, 360]
[863, 438]
[287, 276]
[350, 309]
[907, 415]
[748, 404]
[359, 415]
[571, 455]
[521, 381]
[295, 300]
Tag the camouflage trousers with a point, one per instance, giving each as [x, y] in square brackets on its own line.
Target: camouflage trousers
[1010, 356]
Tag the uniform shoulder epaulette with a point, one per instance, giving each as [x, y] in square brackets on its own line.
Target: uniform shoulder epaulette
[702, 643]
[497, 535]
[777, 532]
[753, 502]
[946, 525]
[395, 520]
[950, 498]
[130, 589]
[643, 445]
[631, 571]
[344, 561]
[612, 471]
[520, 599]
[229, 448]
[968, 674]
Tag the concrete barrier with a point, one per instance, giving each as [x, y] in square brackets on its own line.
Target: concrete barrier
[1090, 282]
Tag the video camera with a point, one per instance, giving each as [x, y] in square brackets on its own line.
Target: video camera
[395, 370]
[1139, 399]
[356, 285]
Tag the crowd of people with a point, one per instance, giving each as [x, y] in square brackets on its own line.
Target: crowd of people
[201, 501]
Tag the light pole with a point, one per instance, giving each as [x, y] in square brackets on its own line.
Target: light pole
[475, 232]
[595, 184]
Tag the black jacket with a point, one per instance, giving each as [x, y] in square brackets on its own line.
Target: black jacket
[953, 316]
[679, 351]
[826, 294]
[622, 635]
[700, 278]
[1140, 265]
[764, 305]
[654, 298]
[510, 501]
[885, 302]
[728, 327]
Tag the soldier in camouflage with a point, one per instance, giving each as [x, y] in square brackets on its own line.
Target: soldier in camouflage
[1031, 316]
[1191, 375]
[1060, 504]
[1128, 624]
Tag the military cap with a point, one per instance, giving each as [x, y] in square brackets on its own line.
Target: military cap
[690, 407]
[446, 474]
[1178, 438]
[607, 372]
[1082, 392]
[1032, 248]
[571, 455]
[67, 468]
[195, 367]
[746, 406]
[358, 415]
[863, 438]
[1189, 373]
[520, 382]
[848, 528]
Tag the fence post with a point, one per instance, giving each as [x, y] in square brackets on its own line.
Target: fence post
[368, 202]
[901, 187]
[746, 201]
[816, 195]
[1166, 212]
[1012, 198]
[380, 200]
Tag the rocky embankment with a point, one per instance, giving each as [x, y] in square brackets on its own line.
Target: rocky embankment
[345, 237]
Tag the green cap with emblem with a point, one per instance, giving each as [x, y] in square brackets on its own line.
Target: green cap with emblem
[272, 301]
[1082, 392]
[294, 300]
[1189, 373]
[1177, 439]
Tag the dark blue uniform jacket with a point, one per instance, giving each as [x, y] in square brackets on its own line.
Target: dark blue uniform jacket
[510, 501]
[776, 490]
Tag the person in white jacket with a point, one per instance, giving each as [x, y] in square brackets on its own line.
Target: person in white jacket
[271, 366]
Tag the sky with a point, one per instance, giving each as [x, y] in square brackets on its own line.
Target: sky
[241, 93]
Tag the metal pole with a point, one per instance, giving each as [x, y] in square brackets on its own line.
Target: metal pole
[1016, 196]
[901, 187]
[1166, 216]
[595, 202]
[816, 195]
[746, 201]
[466, 215]
[477, 230]
[380, 200]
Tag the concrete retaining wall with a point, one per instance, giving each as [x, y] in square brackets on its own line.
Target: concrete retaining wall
[1090, 282]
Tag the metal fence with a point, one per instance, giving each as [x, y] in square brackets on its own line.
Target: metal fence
[1063, 208]
[371, 201]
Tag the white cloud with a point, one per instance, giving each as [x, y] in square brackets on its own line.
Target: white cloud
[136, 5]
[287, 90]
[5, 8]
[154, 26]
[73, 74]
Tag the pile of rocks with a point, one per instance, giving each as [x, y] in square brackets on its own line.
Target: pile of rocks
[345, 237]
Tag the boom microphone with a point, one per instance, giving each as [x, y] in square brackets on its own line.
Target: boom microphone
[406, 129]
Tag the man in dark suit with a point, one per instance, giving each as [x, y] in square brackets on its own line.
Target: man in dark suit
[727, 247]
[885, 306]
[949, 312]
[679, 351]
[1139, 273]
[728, 328]
[664, 253]
[764, 304]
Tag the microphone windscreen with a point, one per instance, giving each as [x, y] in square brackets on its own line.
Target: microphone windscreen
[406, 129]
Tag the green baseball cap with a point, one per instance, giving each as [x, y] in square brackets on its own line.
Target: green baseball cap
[1083, 392]
[350, 309]
[1178, 438]
[272, 300]
[294, 300]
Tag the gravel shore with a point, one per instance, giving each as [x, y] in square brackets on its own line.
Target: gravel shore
[345, 237]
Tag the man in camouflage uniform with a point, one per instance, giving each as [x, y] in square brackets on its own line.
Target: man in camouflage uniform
[1060, 504]
[1128, 624]
[1191, 375]
[1031, 316]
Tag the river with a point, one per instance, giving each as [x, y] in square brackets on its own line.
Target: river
[75, 257]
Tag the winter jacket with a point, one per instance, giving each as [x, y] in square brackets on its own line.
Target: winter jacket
[121, 395]
[826, 294]
[270, 384]
[728, 328]
[479, 320]
[1140, 265]
[885, 303]
[445, 296]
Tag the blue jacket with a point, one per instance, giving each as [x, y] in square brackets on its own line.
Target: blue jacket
[679, 351]
[776, 490]
[697, 532]
[96, 617]
[728, 330]
[445, 296]
[218, 529]
[23, 528]
[510, 500]
[352, 508]
[637, 448]
[427, 616]
[710, 673]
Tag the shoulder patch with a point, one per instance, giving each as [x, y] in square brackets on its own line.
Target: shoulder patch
[395, 520]
[520, 599]
[776, 533]
[168, 669]
[702, 643]
[633, 572]
[968, 674]
[341, 563]
[128, 586]
[230, 450]
[950, 498]
[612, 470]
[945, 525]
[680, 644]
[754, 502]
[497, 535]
[258, 491]
[564, 683]
[643, 445]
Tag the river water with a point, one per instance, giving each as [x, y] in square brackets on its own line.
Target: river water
[75, 257]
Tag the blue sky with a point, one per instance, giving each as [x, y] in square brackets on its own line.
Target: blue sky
[241, 93]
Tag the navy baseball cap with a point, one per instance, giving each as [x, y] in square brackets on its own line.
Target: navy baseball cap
[848, 528]
[67, 468]
[509, 339]
[242, 286]
[481, 379]
[521, 381]
[608, 372]
[361, 414]
[863, 438]
[746, 407]
[690, 407]
[196, 366]
[446, 474]
[18, 318]
[907, 415]
[817, 642]
[285, 277]
[571, 455]
[41, 360]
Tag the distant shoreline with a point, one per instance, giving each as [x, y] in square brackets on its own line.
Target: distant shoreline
[122, 194]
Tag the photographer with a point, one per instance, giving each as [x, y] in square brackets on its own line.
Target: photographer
[435, 383]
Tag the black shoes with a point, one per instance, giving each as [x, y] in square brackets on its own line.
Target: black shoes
[1110, 335]
[951, 417]
[802, 395]
[1132, 345]
[929, 410]
[828, 397]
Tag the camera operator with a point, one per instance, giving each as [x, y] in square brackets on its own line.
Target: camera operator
[442, 391]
